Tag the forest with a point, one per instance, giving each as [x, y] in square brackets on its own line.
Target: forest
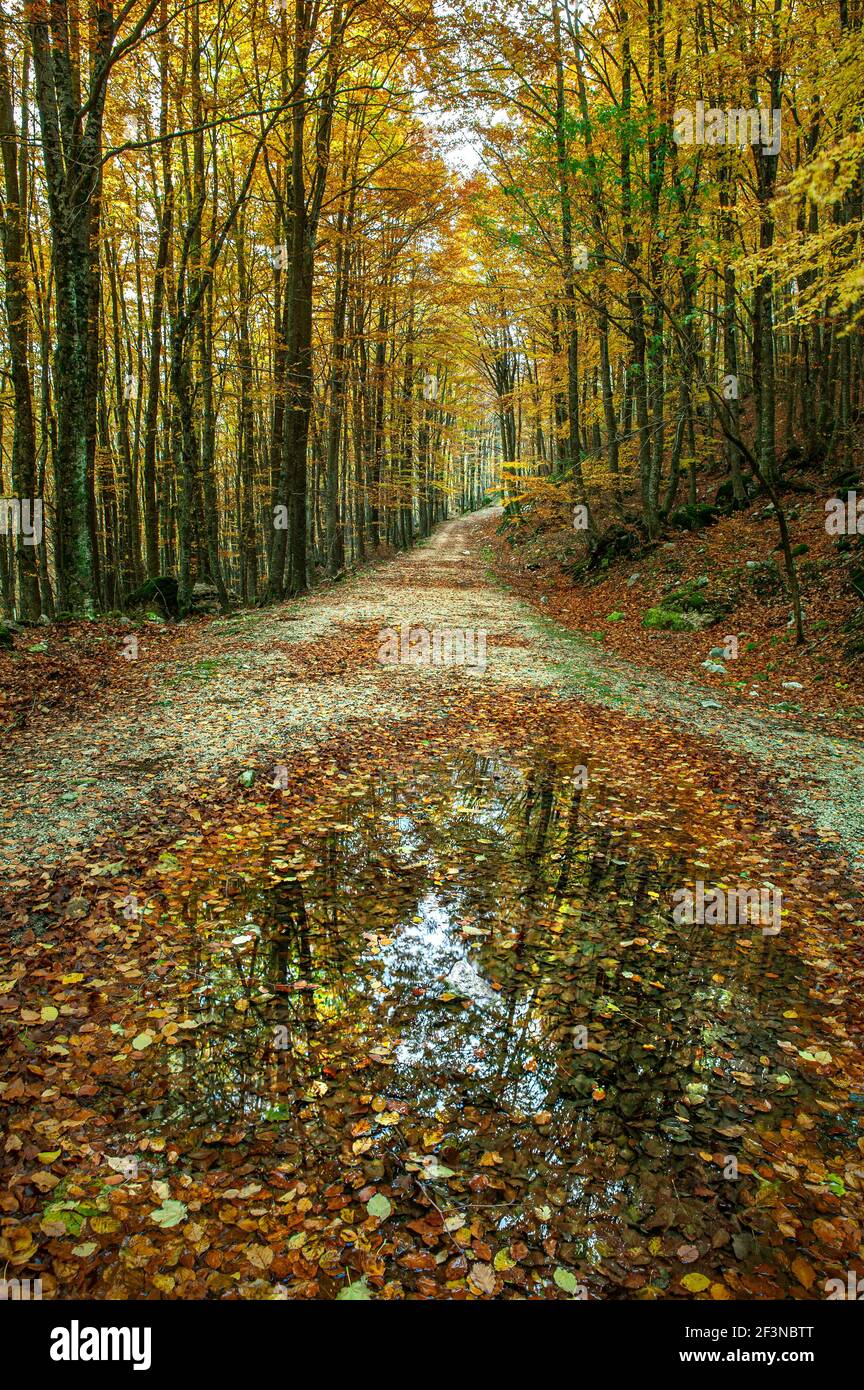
[283, 284]
[432, 657]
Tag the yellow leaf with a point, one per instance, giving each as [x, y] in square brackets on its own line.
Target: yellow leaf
[695, 1283]
[105, 1225]
[803, 1272]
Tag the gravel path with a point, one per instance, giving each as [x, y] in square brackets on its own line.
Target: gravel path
[266, 682]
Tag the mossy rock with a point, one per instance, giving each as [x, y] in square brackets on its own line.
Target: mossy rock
[693, 518]
[7, 642]
[688, 598]
[667, 620]
[158, 593]
[614, 542]
[765, 579]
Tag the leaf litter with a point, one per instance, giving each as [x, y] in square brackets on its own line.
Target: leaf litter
[419, 1023]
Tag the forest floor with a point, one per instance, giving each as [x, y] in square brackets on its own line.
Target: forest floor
[737, 561]
[297, 942]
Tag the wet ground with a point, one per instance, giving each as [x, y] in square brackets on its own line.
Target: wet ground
[420, 1021]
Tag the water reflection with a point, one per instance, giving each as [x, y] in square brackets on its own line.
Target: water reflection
[483, 949]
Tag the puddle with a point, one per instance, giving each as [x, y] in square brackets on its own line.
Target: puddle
[470, 972]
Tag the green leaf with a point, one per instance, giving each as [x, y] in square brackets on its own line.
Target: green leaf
[358, 1292]
[566, 1279]
[65, 1214]
[436, 1170]
[379, 1206]
[171, 1213]
[277, 1113]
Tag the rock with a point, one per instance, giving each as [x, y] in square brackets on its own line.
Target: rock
[717, 653]
[792, 685]
[693, 518]
[205, 598]
[666, 620]
[684, 598]
[715, 667]
[160, 592]
[765, 579]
